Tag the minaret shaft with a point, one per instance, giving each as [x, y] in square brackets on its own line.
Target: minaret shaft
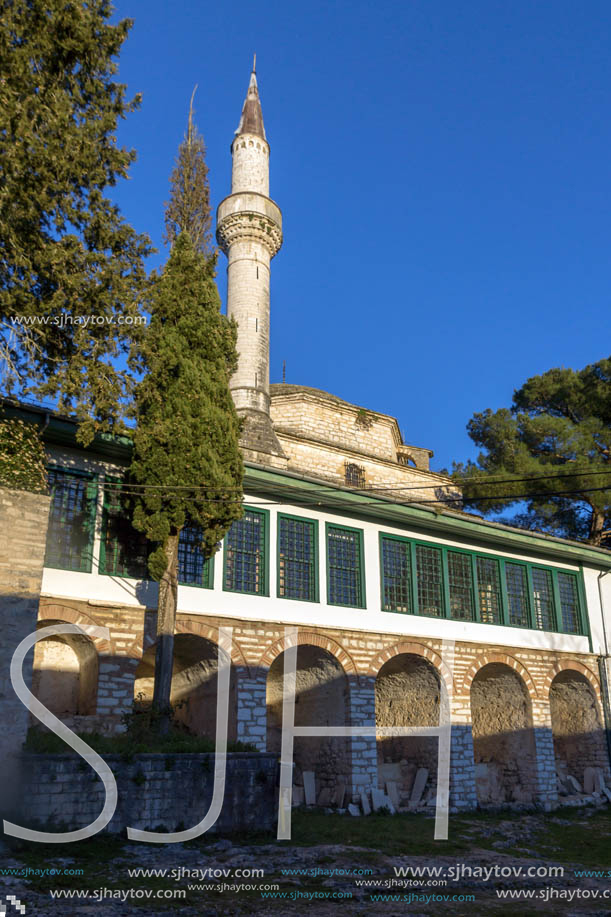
[249, 231]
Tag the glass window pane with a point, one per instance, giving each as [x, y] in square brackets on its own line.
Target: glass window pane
[543, 596]
[296, 559]
[125, 549]
[396, 575]
[517, 594]
[430, 581]
[489, 589]
[245, 554]
[71, 521]
[344, 563]
[461, 586]
[193, 570]
[569, 603]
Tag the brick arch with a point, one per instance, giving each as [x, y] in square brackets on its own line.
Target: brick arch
[412, 649]
[504, 659]
[210, 633]
[72, 616]
[574, 666]
[313, 639]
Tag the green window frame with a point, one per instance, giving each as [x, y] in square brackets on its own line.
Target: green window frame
[246, 551]
[345, 567]
[297, 558]
[430, 581]
[489, 589]
[72, 514]
[568, 600]
[460, 585]
[397, 581]
[193, 570]
[123, 550]
[444, 581]
[518, 594]
[544, 606]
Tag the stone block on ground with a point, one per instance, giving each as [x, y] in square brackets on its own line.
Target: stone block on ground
[309, 786]
[353, 810]
[392, 791]
[573, 783]
[422, 775]
[593, 780]
[298, 796]
[339, 794]
[489, 783]
[380, 800]
[365, 803]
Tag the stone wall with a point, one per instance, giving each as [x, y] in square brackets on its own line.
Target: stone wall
[407, 694]
[156, 792]
[321, 434]
[23, 529]
[361, 657]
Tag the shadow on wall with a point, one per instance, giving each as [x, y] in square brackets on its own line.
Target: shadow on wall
[65, 673]
[503, 737]
[579, 739]
[194, 684]
[407, 693]
[91, 692]
[322, 698]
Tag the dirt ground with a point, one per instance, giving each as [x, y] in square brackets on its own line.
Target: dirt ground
[506, 863]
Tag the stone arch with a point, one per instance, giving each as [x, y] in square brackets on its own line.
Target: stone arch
[65, 673]
[194, 684]
[577, 731]
[413, 649]
[65, 614]
[210, 633]
[503, 659]
[322, 698]
[407, 693]
[575, 666]
[504, 749]
[314, 639]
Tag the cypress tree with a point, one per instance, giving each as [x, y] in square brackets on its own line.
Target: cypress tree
[188, 209]
[187, 464]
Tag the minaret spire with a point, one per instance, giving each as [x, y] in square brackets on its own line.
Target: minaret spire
[251, 121]
[249, 231]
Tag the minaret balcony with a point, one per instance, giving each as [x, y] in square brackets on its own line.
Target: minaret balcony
[248, 215]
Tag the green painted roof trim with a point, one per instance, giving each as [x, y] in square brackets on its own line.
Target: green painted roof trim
[477, 532]
[298, 489]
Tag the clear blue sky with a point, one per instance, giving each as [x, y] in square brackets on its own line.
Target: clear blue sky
[444, 172]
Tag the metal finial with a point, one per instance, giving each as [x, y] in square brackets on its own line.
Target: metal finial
[254, 64]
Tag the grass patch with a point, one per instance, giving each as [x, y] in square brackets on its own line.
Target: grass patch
[40, 741]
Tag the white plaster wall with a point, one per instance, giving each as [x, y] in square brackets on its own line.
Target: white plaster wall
[107, 589]
[600, 617]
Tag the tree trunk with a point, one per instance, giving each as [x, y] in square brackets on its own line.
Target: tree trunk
[597, 525]
[166, 624]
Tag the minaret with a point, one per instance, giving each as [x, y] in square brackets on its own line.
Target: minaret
[249, 231]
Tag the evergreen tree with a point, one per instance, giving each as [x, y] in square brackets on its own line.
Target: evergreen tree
[187, 463]
[552, 448]
[188, 209]
[66, 254]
